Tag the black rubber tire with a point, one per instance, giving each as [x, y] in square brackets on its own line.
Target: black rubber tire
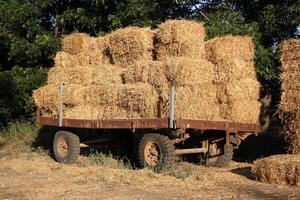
[222, 160]
[167, 151]
[73, 144]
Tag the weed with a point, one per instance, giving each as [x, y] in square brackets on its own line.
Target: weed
[106, 160]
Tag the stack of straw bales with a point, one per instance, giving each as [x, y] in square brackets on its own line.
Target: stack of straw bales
[93, 84]
[128, 74]
[290, 100]
[235, 77]
[278, 169]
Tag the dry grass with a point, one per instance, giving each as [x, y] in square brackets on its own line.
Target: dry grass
[129, 45]
[290, 99]
[179, 38]
[108, 180]
[279, 169]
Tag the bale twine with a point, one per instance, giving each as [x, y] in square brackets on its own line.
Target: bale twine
[130, 44]
[278, 169]
[289, 108]
[179, 38]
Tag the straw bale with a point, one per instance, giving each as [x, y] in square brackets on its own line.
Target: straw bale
[75, 43]
[83, 50]
[152, 72]
[182, 71]
[63, 59]
[97, 75]
[289, 108]
[139, 100]
[130, 44]
[75, 75]
[179, 38]
[47, 97]
[241, 101]
[230, 48]
[290, 76]
[278, 169]
[192, 102]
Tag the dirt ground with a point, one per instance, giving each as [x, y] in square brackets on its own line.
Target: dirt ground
[37, 176]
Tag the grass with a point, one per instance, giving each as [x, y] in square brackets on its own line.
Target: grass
[21, 136]
[18, 137]
[105, 160]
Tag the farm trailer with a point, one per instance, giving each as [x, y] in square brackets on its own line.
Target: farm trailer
[159, 141]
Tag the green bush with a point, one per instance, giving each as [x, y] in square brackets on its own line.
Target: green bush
[15, 92]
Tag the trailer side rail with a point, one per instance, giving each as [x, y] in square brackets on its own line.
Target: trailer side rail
[159, 123]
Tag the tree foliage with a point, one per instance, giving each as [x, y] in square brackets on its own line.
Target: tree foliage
[30, 33]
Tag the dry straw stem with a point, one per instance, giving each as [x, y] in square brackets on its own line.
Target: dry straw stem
[130, 44]
[290, 51]
[290, 100]
[180, 38]
[94, 74]
[193, 102]
[291, 129]
[229, 48]
[278, 169]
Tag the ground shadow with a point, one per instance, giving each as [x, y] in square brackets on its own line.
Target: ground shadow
[45, 137]
[116, 143]
[244, 171]
[270, 142]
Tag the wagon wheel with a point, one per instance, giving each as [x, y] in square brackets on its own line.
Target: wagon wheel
[221, 160]
[155, 151]
[66, 147]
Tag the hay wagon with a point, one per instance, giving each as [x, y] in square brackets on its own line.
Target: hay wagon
[159, 141]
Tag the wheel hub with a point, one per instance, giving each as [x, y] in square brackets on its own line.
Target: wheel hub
[62, 146]
[152, 154]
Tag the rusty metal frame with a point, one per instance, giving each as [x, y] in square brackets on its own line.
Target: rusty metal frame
[158, 123]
